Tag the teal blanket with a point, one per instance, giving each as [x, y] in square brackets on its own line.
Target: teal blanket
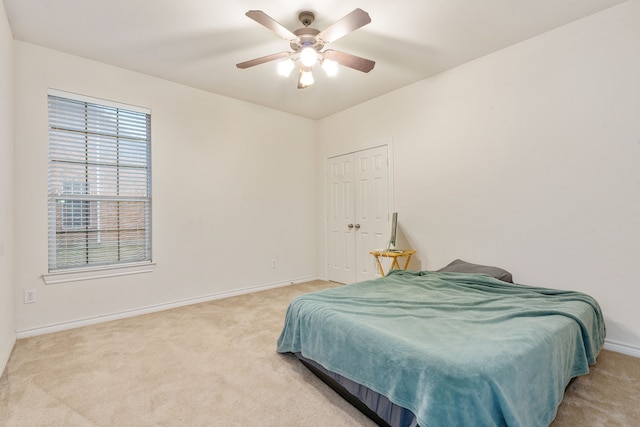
[456, 349]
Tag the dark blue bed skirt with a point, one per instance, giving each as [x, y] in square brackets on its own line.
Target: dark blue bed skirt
[374, 405]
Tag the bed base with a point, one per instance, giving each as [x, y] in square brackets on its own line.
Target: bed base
[374, 405]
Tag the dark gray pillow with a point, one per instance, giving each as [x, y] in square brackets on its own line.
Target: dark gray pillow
[460, 266]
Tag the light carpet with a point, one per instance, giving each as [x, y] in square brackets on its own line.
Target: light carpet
[215, 364]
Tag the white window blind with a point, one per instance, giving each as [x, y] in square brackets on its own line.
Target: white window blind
[99, 184]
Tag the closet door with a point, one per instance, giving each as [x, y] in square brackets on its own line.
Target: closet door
[358, 213]
[341, 219]
[371, 208]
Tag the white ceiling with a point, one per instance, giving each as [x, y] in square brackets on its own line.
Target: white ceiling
[198, 42]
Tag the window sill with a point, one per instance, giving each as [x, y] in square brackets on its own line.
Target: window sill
[90, 273]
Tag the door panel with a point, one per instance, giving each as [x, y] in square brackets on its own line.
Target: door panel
[341, 241]
[372, 208]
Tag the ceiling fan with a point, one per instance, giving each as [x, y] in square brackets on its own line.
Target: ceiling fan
[307, 44]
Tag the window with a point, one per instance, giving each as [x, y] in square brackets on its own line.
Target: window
[99, 183]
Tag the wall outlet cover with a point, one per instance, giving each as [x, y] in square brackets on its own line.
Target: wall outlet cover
[30, 296]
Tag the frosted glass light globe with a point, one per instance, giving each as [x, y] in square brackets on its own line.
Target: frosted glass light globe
[308, 56]
[285, 67]
[330, 67]
[306, 78]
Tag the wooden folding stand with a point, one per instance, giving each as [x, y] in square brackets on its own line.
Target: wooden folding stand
[394, 255]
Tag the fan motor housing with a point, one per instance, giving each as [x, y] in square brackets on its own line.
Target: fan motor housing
[306, 37]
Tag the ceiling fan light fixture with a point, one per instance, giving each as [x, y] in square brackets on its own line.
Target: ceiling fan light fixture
[308, 56]
[285, 67]
[306, 78]
[330, 67]
[308, 45]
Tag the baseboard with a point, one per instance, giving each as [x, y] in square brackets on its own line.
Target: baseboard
[153, 308]
[622, 348]
[6, 354]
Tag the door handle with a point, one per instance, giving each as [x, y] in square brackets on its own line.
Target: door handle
[357, 226]
[349, 226]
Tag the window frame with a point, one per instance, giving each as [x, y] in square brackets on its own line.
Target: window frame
[76, 215]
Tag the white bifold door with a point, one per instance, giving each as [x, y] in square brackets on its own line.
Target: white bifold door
[358, 213]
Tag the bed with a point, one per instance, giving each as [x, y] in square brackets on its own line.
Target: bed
[446, 348]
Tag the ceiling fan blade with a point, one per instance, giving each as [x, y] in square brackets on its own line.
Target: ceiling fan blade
[350, 22]
[263, 19]
[263, 59]
[349, 60]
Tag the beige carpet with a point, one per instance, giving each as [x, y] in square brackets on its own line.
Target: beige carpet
[215, 364]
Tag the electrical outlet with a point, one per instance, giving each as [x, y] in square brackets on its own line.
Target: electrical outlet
[30, 296]
[274, 263]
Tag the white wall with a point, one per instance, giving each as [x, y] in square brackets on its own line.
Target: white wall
[233, 188]
[528, 158]
[7, 322]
